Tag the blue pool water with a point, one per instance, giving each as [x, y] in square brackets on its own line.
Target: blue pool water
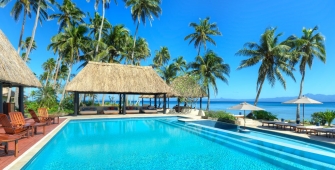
[159, 143]
[287, 140]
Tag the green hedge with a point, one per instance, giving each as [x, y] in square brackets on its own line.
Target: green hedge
[264, 115]
[222, 116]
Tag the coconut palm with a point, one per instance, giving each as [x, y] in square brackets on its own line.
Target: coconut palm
[69, 14]
[24, 46]
[180, 64]
[115, 42]
[41, 13]
[168, 73]
[19, 7]
[105, 4]
[272, 56]
[308, 47]
[94, 26]
[142, 51]
[202, 33]
[209, 68]
[48, 66]
[162, 57]
[71, 42]
[140, 11]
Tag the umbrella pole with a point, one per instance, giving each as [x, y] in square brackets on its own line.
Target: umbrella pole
[244, 119]
[303, 114]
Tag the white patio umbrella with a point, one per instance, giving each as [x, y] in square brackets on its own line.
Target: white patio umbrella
[303, 100]
[245, 106]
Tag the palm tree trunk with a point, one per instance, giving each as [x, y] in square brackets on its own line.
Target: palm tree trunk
[208, 99]
[259, 91]
[67, 80]
[300, 94]
[56, 71]
[199, 50]
[132, 54]
[33, 33]
[101, 26]
[22, 31]
[46, 81]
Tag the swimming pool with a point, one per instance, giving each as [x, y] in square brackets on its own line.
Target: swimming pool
[161, 143]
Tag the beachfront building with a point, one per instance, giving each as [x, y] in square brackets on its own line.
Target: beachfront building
[108, 78]
[14, 71]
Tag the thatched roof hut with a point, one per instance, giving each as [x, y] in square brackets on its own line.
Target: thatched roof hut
[14, 71]
[116, 78]
[186, 86]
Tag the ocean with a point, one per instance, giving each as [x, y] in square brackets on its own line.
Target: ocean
[285, 111]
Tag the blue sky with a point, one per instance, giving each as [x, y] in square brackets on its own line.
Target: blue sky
[239, 21]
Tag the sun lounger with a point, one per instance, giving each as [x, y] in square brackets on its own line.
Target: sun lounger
[327, 131]
[88, 111]
[307, 128]
[18, 119]
[282, 125]
[269, 123]
[11, 128]
[38, 119]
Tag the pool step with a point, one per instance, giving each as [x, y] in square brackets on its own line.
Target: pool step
[246, 145]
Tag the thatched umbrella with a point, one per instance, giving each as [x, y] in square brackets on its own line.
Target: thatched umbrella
[14, 71]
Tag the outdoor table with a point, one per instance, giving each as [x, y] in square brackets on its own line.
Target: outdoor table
[53, 117]
[4, 138]
[35, 125]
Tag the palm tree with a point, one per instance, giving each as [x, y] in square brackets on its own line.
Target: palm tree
[48, 66]
[202, 33]
[162, 57]
[209, 68]
[19, 7]
[41, 10]
[71, 42]
[69, 13]
[105, 4]
[140, 11]
[115, 42]
[273, 57]
[168, 73]
[308, 47]
[24, 46]
[180, 64]
[95, 24]
[142, 51]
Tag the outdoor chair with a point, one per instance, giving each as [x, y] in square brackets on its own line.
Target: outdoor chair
[13, 128]
[44, 116]
[18, 119]
[38, 119]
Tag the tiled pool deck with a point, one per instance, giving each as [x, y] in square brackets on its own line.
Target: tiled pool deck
[26, 151]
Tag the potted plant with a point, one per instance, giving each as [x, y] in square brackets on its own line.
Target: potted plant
[282, 120]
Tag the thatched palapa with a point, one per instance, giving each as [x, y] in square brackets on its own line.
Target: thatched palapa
[186, 86]
[116, 78]
[14, 71]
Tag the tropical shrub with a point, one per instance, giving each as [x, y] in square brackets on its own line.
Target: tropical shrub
[329, 116]
[222, 116]
[264, 115]
[318, 117]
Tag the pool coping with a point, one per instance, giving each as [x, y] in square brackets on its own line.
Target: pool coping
[23, 159]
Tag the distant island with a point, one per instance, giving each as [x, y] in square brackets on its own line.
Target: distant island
[318, 97]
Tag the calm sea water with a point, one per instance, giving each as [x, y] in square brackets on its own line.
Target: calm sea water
[286, 111]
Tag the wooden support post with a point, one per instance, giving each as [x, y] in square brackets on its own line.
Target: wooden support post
[76, 103]
[120, 101]
[169, 103]
[150, 101]
[142, 101]
[164, 104]
[200, 103]
[21, 98]
[124, 104]
[155, 101]
[1, 102]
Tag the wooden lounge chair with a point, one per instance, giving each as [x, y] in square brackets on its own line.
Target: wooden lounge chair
[18, 119]
[310, 129]
[43, 114]
[38, 119]
[12, 128]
